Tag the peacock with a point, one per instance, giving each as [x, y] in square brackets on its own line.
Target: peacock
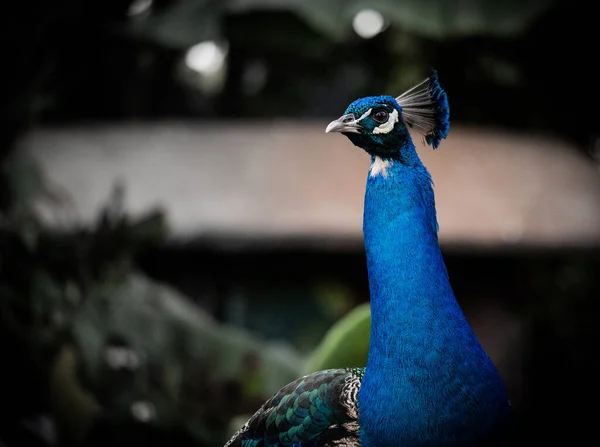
[428, 380]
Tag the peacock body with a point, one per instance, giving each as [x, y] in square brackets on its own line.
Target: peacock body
[428, 381]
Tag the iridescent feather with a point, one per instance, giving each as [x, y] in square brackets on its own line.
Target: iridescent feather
[319, 409]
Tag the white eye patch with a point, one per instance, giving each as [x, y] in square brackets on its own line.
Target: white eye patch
[364, 115]
[389, 124]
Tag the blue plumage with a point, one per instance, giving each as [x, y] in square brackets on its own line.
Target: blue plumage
[428, 381]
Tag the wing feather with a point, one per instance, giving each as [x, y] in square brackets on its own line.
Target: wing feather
[316, 410]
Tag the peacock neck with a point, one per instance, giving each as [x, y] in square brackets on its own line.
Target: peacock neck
[422, 351]
[412, 303]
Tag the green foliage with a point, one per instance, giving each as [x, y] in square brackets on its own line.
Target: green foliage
[98, 337]
[346, 344]
[147, 350]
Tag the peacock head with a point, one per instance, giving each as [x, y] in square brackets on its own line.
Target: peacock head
[380, 124]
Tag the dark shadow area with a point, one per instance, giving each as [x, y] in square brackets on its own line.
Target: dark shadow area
[120, 332]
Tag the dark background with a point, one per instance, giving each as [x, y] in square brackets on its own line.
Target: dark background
[517, 66]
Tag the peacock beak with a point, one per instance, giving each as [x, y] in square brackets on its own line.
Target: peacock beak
[344, 124]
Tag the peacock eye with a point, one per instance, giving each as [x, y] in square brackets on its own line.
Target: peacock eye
[381, 116]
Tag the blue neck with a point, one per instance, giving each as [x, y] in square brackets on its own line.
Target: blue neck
[428, 380]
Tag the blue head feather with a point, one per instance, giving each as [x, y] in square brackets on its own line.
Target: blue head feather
[379, 124]
[371, 139]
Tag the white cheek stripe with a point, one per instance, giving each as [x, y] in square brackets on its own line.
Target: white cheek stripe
[364, 115]
[389, 124]
[380, 166]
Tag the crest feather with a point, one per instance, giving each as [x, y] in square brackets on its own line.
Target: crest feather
[425, 107]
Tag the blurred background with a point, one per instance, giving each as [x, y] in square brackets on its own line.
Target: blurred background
[179, 238]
